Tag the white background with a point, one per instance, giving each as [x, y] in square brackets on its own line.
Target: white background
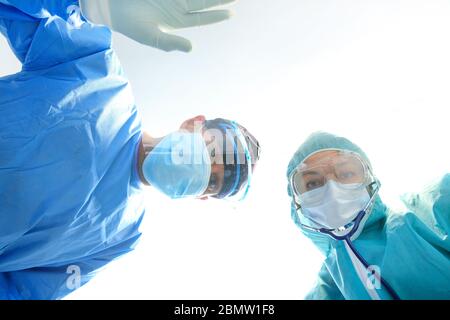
[377, 72]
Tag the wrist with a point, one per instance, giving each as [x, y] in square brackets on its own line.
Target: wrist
[96, 11]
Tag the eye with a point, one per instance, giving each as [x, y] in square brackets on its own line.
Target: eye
[313, 184]
[346, 175]
[350, 176]
[213, 182]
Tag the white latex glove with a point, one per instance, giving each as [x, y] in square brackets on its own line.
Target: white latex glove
[149, 21]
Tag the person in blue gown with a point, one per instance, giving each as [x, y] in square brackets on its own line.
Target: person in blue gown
[72, 150]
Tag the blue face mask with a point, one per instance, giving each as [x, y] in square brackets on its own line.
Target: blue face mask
[179, 166]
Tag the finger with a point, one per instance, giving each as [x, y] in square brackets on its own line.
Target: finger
[156, 38]
[171, 42]
[197, 5]
[208, 17]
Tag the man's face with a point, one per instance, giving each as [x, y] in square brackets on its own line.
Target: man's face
[217, 168]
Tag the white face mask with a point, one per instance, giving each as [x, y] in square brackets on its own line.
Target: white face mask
[335, 204]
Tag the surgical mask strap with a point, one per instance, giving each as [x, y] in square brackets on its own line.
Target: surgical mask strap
[247, 157]
[243, 143]
[147, 149]
[235, 159]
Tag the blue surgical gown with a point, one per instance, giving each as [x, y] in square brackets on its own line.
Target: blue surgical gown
[70, 193]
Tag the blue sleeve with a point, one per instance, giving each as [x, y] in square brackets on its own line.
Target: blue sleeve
[56, 282]
[41, 8]
[18, 28]
[41, 283]
[44, 33]
[325, 288]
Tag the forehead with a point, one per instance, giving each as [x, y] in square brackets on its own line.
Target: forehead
[321, 156]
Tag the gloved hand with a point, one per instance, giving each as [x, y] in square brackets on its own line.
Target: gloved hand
[148, 21]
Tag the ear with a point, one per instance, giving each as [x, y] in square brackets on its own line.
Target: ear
[190, 124]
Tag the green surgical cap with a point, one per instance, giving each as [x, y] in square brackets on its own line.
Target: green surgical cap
[320, 141]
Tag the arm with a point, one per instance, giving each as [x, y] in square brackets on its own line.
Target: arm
[325, 288]
[44, 33]
[147, 21]
[40, 283]
[432, 205]
[18, 28]
[40, 9]
[67, 37]
[56, 282]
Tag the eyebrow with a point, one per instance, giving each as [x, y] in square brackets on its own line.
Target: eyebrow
[310, 172]
[341, 164]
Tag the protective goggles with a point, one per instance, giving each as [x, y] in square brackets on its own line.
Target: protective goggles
[344, 167]
[236, 157]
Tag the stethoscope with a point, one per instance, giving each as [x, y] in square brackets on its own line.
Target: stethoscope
[354, 225]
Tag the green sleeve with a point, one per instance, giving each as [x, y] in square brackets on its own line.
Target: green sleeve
[325, 288]
[432, 205]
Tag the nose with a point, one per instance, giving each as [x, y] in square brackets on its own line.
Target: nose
[331, 175]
